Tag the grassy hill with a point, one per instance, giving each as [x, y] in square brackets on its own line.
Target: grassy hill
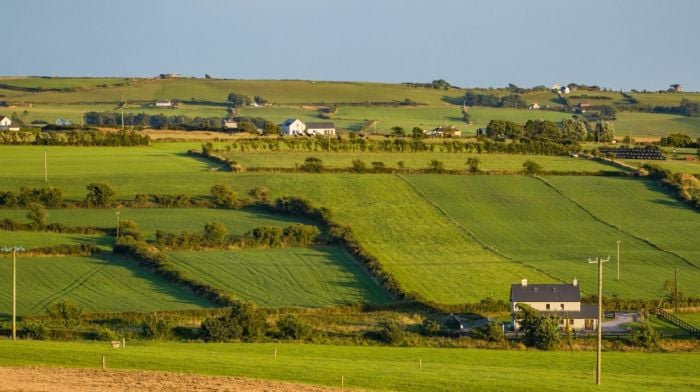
[103, 283]
[284, 277]
[535, 225]
[377, 368]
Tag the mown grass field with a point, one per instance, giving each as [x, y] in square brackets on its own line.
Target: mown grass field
[308, 277]
[676, 166]
[415, 241]
[103, 283]
[417, 160]
[30, 239]
[378, 368]
[60, 83]
[692, 318]
[534, 225]
[642, 209]
[655, 124]
[148, 220]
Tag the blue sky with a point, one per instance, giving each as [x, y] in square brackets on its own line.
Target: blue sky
[626, 44]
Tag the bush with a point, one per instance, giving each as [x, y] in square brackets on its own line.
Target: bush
[99, 195]
[225, 197]
[493, 332]
[157, 327]
[646, 336]
[392, 332]
[290, 327]
[531, 167]
[430, 327]
[261, 194]
[34, 331]
[244, 321]
[312, 165]
[547, 333]
[65, 311]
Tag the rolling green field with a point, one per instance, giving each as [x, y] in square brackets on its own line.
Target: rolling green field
[534, 225]
[103, 283]
[60, 83]
[308, 277]
[655, 124]
[172, 220]
[29, 239]
[692, 318]
[378, 368]
[417, 160]
[676, 166]
[415, 241]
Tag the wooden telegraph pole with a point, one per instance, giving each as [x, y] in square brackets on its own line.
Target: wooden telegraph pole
[14, 251]
[618, 259]
[599, 347]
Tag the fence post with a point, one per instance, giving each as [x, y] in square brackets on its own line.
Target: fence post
[104, 363]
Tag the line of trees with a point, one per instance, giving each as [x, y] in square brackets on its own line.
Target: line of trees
[571, 130]
[76, 138]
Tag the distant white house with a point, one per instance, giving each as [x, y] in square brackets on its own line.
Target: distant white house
[293, 127]
[62, 122]
[164, 104]
[5, 123]
[320, 128]
[444, 132]
[557, 88]
[534, 106]
[229, 124]
[560, 300]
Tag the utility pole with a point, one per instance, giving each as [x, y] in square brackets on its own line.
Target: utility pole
[118, 224]
[14, 251]
[123, 104]
[618, 259]
[599, 349]
[675, 288]
[46, 166]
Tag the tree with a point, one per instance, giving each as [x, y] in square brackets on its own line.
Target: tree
[207, 76]
[473, 164]
[65, 311]
[417, 133]
[677, 140]
[243, 321]
[608, 112]
[392, 332]
[37, 214]
[238, 100]
[436, 166]
[604, 131]
[225, 197]
[646, 336]
[674, 295]
[358, 166]
[290, 327]
[271, 128]
[99, 195]
[215, 234]
[532, 167]
[260, 100]
[312, 165]
[398, 131]
[574, 129]
[547, 333]
[261, 194]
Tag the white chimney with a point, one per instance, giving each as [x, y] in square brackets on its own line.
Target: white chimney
[575, 283]
[523, 282]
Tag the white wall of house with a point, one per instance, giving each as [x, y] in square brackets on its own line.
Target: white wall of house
[321, 131]
[554, 306]
[5, 122]
[577, 324]
[297, 127]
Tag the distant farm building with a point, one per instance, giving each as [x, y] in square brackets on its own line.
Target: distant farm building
[320, 128]
[164, 104]
[581, 107]
[534, 106]
[675, 88]
[293, 127]
[560, 300]
[5, 122]
[62, 122]
[229, 124]
[444, 132]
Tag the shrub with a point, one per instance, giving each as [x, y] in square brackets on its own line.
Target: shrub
[290, 327]
[646, 336]
[436, 166]
[157, 327]
[531, 167]
[65, 311]
[392, 332]
[261, 194]
[225, 197]
[243, 321]
[215, 234]
[358, 166]
[312, 165]
[430, 327]
[99, 195]
[547, 333]
[36, 214]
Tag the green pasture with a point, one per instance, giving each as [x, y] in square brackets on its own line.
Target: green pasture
[103, 283]
[675, 166]
[642, 209]
[665, 99]
[535, 226]
[308, 277]
[655, 124]
[60, 82]
[172, 220]
[275, 91]
[377, 368]
[692, 318]
[417, 160]
[30, 239]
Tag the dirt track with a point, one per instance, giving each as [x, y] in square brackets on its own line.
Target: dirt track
[60, 379]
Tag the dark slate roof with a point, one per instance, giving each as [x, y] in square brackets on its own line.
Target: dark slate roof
[588, 311]
[545, 292]
[319, 125]
[289, 121]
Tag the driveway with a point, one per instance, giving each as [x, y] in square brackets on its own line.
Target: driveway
[616, 324]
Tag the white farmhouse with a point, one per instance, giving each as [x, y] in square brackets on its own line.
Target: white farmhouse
[164, 104]
[293, 127]
[5, 122]
[320, 128]
[560, 300]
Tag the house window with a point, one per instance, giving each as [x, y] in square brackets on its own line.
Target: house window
[547, 306]
[571, 321]
[562, 306]
[588, 324]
